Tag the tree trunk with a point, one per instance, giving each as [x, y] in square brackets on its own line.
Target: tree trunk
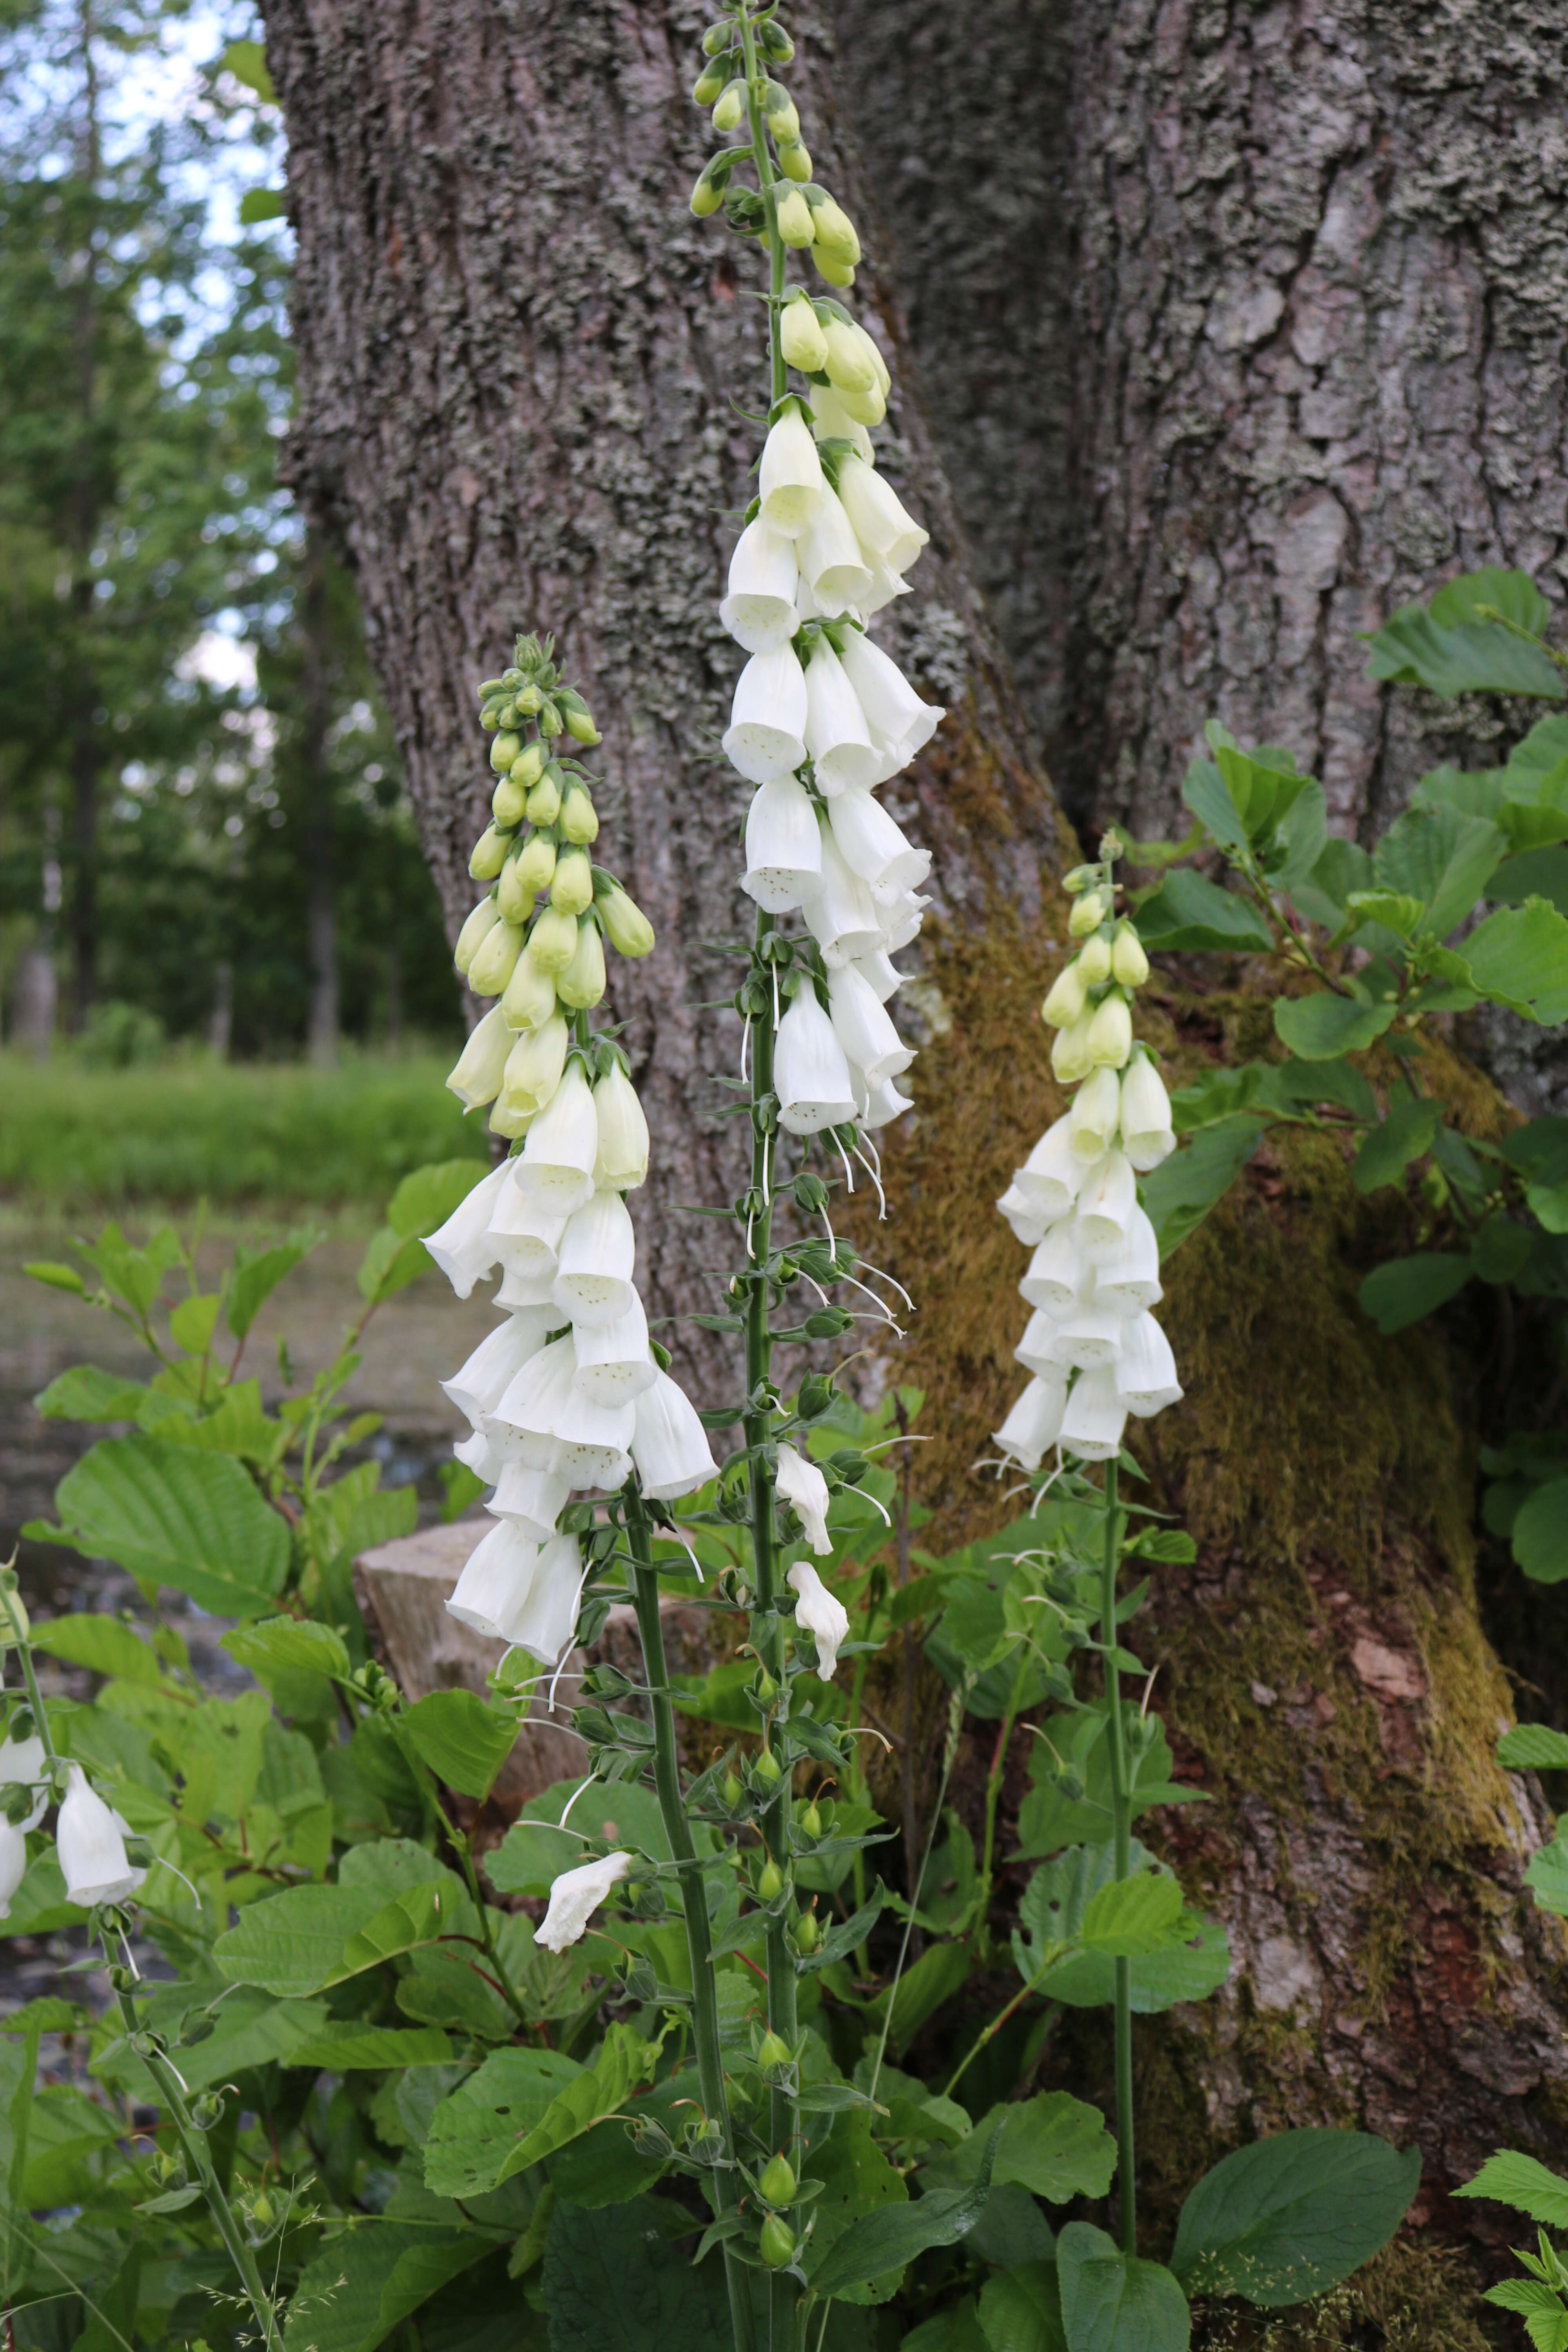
[317, 786]
[516, 357]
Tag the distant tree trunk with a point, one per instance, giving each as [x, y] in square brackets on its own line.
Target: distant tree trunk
[516, 355]
[87, 750]
[317, 785]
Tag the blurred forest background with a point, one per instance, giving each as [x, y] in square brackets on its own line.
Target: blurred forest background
[205, 855]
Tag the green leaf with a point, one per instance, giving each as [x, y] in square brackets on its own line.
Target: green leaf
[1442, 858]
[246, 61]
[1407, 1289]
[1533, 1748]
[878, 2242]
[1262, 785]
[429, 1196]
[1518, 957]
[478, 2125]
[1131, 1918]
[1542, 2309]
[365, 2282]
[856, 2179]
[57, 1276]
[1523, 2183]
[1188, 913]
[612, 2281]
[625, 2059]
[193, 1322]
[1450, 650]
[1053, 2144]
[412, 1918]
[1113, 2303]
[1540, 1533]
[1205, 793]
[1343, 868]
[1021, 2310]
[237, 1424]
[463, 1740]
[85, 1393]
[1547, 1877]
[1179, 1194]
[1396, 912]
[262, 204]
[1536, 874]
[1290, 2217]
[172, 1516]
[102, 1644]
[1320, 1027]
[256, 1273]
[291, 1943]
[942, 1970]
[348, 2047]
[287, 1644]
[1408, 1131]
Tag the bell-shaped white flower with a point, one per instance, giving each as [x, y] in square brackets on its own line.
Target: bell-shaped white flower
[520, 1290]
[462, 1247]
[1146, 1379]
[1096, 1109]
[1088, 1335]
[595, 1262]
[1127, 1273]
[90, 1844]
[759, 610]
[802, 1483]
[894, 711]
[1107, 1203]
[876, 516]
[1095, 1416]
[883, 1104]
[901, 920]
[1147, 1137]
[13, 1863]
[836, 736]
[526, 1233]
[476, 1454]
[614, 1359]
[766, 734]
[495, 1580]
[670, 1445]
[784, 845]
[790, 478]
[885, 585]
[562, 1147]
[477, 1073]
[620, 1161]
[22, 1765]
[575, 1895]
[522, 1426]
[830, 557]
[547, 1620]
[1071, 1058]
[843, 917]
[1033, 1425]
[831, 421]
[532, 1499]
[811, 1075]
[823, 1617]
[1024, 1215]
[1059, 1272]
[879, 972]
[1037, 1349]
[1110, 1032]
[862, 1027]
[1051, 1176]
[873, 846]
[478, 1388]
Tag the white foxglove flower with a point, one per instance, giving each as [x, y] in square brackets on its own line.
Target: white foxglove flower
[620, 1162]
[1107, 1203]
[478, 1388]
[873, 846]
[862, 1027]
[89, 1842]
[894, 711]
[879, 972]
[1088, 1335]
[1037, 1349]
[1110, 1034]
[784, 845]
[526, 1234]
[595, 1263]
[876, 516]
[495, 1580]
[522, 1426]
[520, 1291]
[462, 1247]
[885, 585]
[614, 1359]
[802, 1483]
[832, 422]
[476, 1073]
[1095, 1416]
[790, 479]
[1127, 1275]
[766, 734]
[901, 921]
[1096, 1109]
[13, 1863]
[476, 1453]
[22, 1765]
[532, 1499]
[1053, 1173]
[1035, 1422]
[1146, 1133]
[811, 1075]
[1024, 1215]
[843, 917]
[1059, 1273]
[836, 736]
[884, 1103]
[562, 1147]
[759, 610]
[831, 559]
[1146, 1379]
[670, 1445]
[547, 1620]
[825, 1618]
[575, 1896]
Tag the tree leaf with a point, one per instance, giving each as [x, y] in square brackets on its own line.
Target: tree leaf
[1534, 874]
[878, 2242]
[246, 61]
[1052, 1911]
[256, 1273]
[1133, 1918]
[612, 2281]
[1442, 858]
[86, 1393]
[1518, 957]
[1533, 1748]
[477, 2127]
[1189, 913]
[287, 1644]
[1542, 2309]
[1408, 1131]
[1525, 2184]
[262, 204]
[172, 1516]
[104, 1646]
[1113, 2303]
[1021, 2310]
[410, 1919]
[1053, 2144]
[1407, 1289]
[625, 2059]
[1290, 2217]
[364, 2282]
[1450, 650]
[1547, 1876]
[1540, 1533]
[290, 1943]
[857, 2179]
[1179, 1194]
[463, 1740]
[1319, 1028]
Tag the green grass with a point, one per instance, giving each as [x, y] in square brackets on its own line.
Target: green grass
[240, 1134]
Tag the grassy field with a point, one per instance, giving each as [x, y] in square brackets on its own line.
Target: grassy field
[240, 1135]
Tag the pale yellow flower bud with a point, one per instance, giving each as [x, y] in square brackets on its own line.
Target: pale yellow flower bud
[513, 895]
[1094, 960]
[571, 885]
[794, 163]
[848, 365]
[493, 959]
[625, 925]
[553, 942]
[508, 802]
[793, 215]
[579, 818]
[801, 338]
[582, 984]
[1070, 1057]
[528, 766]
[529, 998]
[834, 231]
[490, 854]
[730, 112]
[1110, 1034]
[484, 918]
[1086, 916]
[1065, 1001]
[536, 864]
[1128, 965]
[544, 802]
[837, 273]
[504, 750]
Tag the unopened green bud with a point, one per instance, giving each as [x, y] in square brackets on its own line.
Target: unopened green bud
[1088, 915]
[553, 942]
[580, 728]
[776, 2244]
[530, 699]
[493, 959]
[732, 1789]
[489, 687]
[710, 81]
[777, 2182]
[801, 337]
[766, 1767]
[579, 818]
[834, 231]
[513, 895]
[782, 120]
[717, 37]
[709, 193]
[765, 1687]
[837, 273]
[504, 750]
[811, 1820]
[490, 715]
[535, 863]
[770, 1883]
[730, 110]
[572, 885]
[626, 928]
[543, 803]
[582, 984]
[550, 721]
[490, 854]
[848, 362]
[508, 802]
[485, 916]
[793, 215]
[528, 766]
[1128, 965]
[794, 163]
[1080, 879]
[528, 999]
[777, 44]
[807, 1934]
[773, 2050]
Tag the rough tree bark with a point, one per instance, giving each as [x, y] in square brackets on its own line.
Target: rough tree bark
[516, 351]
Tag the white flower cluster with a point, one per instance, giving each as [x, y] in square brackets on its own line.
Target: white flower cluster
[826, 548]
[90, 1835]
[1095, 1350]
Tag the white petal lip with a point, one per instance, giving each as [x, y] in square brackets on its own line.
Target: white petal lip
[575, 1895]
[811, 1073]
[670, 1445]
[462, 1247]
[801, 1483]
[759, 610]
[823, 1616]
[784, 847]
[766, 734]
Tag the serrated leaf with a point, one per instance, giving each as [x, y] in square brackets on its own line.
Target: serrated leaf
[287, 1644]
[1319, 1028]
[1547, 1877]
[412, 1918]
[102, 1644]
[1407, 1289]
[885, 2240]
[1408, 1131]
[1518, 957]
[347, 2048]
[463, 1740]
[477, 2125]
[1133, 1918]
[1525, 2184]
[1053, 2144]
[1443, 859]
[1189, 914]
[172, 1516]
[86, 1393]
[1111, 2301]
[1389, 907]
[1451, 650]
[1290, 2217]
[625, 2059]
[1052, 1912]
[290, 1943]
[1533, 1748]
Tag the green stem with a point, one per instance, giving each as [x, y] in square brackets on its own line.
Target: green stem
[1122, 1818]
[694, 1897]
[35, 1696]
